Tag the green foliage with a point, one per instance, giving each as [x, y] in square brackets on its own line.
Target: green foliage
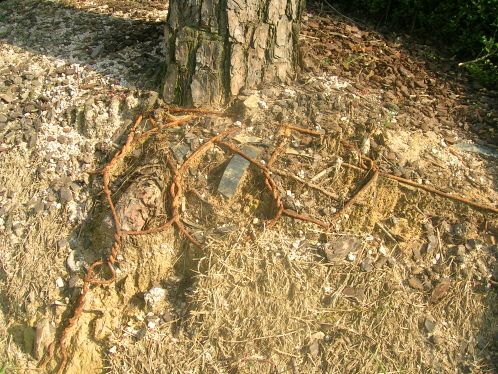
[485, 68]
[468, 28]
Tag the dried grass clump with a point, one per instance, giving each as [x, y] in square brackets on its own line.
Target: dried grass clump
[273, 306]
[30, 258]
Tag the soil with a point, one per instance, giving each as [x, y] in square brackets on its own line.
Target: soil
[402, 279]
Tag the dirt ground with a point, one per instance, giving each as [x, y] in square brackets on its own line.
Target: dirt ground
[360, 237]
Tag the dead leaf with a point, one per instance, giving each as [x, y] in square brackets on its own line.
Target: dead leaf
[440, 290]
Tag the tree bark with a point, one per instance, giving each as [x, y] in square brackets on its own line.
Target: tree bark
[214, 48]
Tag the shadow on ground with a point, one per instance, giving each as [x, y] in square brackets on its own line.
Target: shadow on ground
[127, 50]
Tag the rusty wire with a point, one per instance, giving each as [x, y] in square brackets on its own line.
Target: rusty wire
[269, 182]
[429, 189]
[176, 193]
[272, 187]
[201, 111]
[376, 173]
[300, 129]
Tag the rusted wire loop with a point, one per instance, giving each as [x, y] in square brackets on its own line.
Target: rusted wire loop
[276, 152]
[163, 126]
[429, 189]
[300, 129]
[272, 187]
[373, 178]
[175, 191]
[150, 231]
[122, 151]
[304, 218]
[201, 111]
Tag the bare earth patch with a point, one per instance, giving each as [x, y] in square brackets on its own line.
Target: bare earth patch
[403, 280]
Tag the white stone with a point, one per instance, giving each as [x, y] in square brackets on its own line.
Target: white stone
[252, 102]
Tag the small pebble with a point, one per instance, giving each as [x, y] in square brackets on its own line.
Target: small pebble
[429, 324]
[59, 283]
[66, 194]
[367, 265]
[415, 283]
[39, 207]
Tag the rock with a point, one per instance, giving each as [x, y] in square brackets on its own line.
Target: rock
[39, 207]
[62, 139]
[416, 253]
[417, 270]
[391, 262]
[431, 245]
[15, 114]
[437, 340]
[156, 299]
[72, 263]
[141, 201]
[60, 69]
[429, 324]
[450, 139]
[415, 283]
[33, 138]
[18, 229]
[482, 342]
[357, 293]
[66, 194]
[252, 102]
[405, 92]
[30, 108]
[381, 261]
[461, 229]
[315, 340]
[425, 127]
[420, 84]
[403, 71]
[85, 158]
[235, 170]
[73, 281]
[140, 334]
[180, 151]
[8, 98]
[367, 264]
[63, 245]
[460, 250]
[167, 317]
[314, 349]
[338, 249]
[45, 335]
[59, 282]
[474, 244]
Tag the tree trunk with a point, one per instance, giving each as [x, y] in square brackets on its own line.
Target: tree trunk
[214, 48]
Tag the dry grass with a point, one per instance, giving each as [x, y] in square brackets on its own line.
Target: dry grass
[266, 305]
[30, 259]
[259, 307]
